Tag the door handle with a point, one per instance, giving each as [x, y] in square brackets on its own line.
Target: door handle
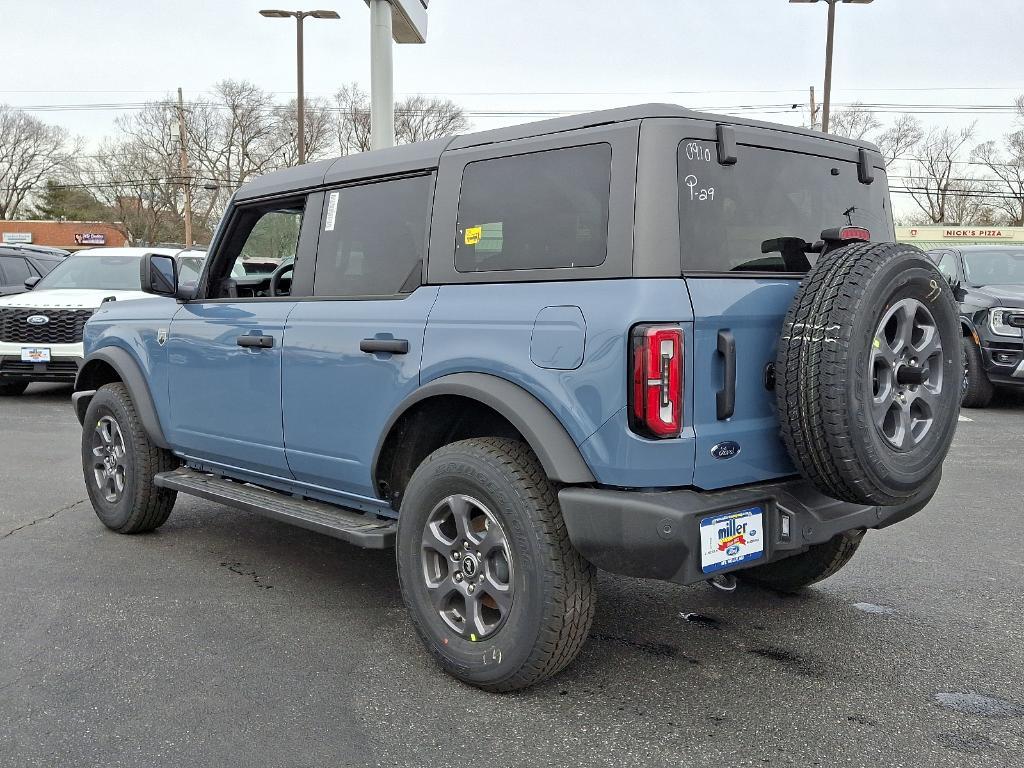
[394, 346]
[251, 340]
[725, 398]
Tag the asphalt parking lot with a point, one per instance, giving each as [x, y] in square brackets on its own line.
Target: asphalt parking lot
[225, 639]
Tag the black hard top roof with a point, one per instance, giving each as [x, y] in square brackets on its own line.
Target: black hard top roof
[426, 154]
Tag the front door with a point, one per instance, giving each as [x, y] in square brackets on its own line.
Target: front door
[353, 354]
[225, 348]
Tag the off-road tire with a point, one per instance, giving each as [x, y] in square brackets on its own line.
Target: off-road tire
[816, 564]
[142, 506]
[554, 599]
[979, 390]
[12, 388]
[824, 390]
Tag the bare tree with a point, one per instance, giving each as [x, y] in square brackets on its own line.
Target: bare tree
[30, 152]
[933, 182]
[417, 118]
[855, 122]
[232, 138]
[1006, 163]
[900, 138]
[318, 127]
[353, 119]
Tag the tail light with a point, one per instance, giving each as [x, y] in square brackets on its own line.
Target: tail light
[656, 391]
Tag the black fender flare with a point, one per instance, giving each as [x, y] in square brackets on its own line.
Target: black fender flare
[130, 373]
[558, 454]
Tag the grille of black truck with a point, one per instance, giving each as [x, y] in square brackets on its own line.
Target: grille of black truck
[20, 325]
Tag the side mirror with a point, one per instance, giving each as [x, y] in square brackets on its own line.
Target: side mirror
[30, 282]
[159, 274]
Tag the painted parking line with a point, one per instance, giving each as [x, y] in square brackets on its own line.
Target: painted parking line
[964, 418]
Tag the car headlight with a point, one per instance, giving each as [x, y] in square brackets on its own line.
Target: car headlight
[999, 320]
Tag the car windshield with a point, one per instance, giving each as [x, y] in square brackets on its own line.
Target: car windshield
[994, 267]
[96, 271]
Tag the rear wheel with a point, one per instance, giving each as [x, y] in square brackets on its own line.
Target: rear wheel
[496, 591]
[12, 388]
[816, 564]
[978, 390]
[119, 462]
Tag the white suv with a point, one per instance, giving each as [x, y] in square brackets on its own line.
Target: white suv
[41, 330]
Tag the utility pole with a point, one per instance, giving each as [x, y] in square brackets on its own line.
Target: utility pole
[183, 164]
[814, 111]
[827, 109]
[829, 45]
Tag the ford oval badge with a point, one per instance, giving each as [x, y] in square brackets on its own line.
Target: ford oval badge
[725, 450]
[37, 319]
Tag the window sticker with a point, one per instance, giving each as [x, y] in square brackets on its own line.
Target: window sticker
[473, 235]
[332, 212]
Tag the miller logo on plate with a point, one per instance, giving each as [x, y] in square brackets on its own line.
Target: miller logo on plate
[37, 319]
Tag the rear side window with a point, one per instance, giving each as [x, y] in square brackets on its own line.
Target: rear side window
[543, 210]
[15, 269]
[373, 238]
[727, 213]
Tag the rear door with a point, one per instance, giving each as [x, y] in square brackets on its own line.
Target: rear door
[352, 352]
[780, 185]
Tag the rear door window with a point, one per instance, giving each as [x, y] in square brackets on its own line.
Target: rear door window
[15, 269]
[727, 213]
[373, 238]
[544, 210]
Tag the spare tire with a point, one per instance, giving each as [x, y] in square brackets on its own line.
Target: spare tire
[868, 373]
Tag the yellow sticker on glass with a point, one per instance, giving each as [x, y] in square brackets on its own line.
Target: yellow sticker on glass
[473, 235]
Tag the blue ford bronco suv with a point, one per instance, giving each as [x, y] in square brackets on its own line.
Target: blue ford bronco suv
[649, 340]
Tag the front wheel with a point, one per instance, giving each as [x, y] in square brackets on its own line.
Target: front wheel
[978, 390]
[496, 591]
[119, 462]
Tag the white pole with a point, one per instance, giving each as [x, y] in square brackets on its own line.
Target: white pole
[382, 88]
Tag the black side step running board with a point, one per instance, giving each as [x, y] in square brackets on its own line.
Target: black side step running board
[353, 527]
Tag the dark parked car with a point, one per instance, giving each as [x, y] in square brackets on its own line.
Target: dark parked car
[989, 284]
[19, 263]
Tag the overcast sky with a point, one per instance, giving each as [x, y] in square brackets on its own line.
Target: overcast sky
[510, 61]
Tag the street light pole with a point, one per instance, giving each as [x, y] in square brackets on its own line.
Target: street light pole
[300, 98]
[826, 108]
[300, 103]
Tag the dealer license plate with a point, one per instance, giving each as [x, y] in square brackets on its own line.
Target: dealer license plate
[731, 538]
[35, 354]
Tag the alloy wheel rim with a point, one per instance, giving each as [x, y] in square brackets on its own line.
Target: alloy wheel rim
[110, 470]
[906, 374]
[467, 566]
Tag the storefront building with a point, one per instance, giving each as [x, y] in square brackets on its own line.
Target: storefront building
[69, 235]
[928, 238]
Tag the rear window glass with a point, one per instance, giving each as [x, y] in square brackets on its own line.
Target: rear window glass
[727, 213]
[543, 210]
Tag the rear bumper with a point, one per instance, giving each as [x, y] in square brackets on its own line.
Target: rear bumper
[656, 534]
